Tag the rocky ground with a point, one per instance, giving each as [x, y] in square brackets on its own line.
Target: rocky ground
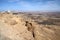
[28, 27]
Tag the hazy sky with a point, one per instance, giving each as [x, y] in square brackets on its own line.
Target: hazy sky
[30, 5]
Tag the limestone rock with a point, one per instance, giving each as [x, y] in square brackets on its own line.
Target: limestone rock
[14, 29]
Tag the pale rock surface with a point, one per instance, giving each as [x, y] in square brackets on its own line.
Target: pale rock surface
[14, 27]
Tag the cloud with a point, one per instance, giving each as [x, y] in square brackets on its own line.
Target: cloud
[13, 0]
[47, 6]
[25, 4]
[37, 4]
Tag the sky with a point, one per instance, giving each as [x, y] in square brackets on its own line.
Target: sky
[30, 5]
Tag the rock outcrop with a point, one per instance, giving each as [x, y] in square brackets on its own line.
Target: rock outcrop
[13, 27]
